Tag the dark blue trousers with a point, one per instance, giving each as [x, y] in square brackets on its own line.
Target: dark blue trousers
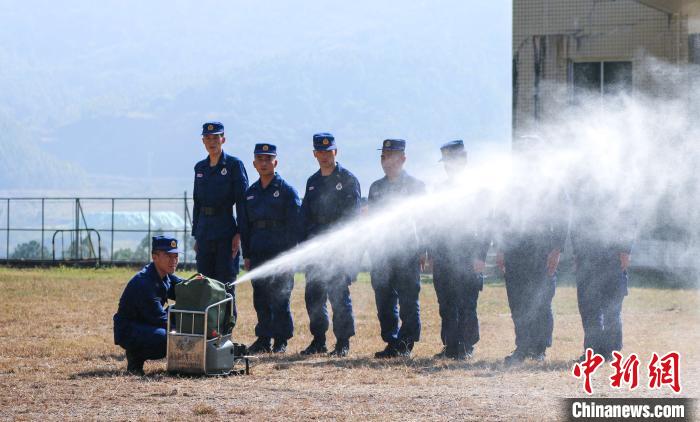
[396, 284]
[271, 302]
[457, 290]
[214, 260]
[530, 292]
[323, 284]
[144, 341]
[601, 286]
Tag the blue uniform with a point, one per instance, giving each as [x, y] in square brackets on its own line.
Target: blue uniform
[396, 275]
[216, 190]
[141, 320]
[327, 201]
[457, 242]
[270, 225]
[530, 290]
[598, 239]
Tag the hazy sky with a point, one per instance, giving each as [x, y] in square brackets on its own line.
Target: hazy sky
[109, 97]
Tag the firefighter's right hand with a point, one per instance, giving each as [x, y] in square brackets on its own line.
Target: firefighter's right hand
[246, 264]
[428, 265]
[553, 262]
[195, 247]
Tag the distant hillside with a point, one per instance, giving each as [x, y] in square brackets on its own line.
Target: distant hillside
[121, 97]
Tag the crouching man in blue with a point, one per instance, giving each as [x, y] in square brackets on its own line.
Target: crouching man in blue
[270, 225]
[141, 320]
[396, 267]
[458, 250]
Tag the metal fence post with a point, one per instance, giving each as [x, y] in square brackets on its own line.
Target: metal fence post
[111, 246]
[77, 254]
[7, 241]
[148, 238]
[42, 229]
[184, 231]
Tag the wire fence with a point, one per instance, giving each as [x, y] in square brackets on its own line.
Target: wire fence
[91, 230]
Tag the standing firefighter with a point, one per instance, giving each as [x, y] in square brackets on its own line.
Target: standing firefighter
[396, 268]
[533, 233]
[141, 320]
[332, 195]
[220, 182]
[602, 234]
[270, 225]
[458, 252]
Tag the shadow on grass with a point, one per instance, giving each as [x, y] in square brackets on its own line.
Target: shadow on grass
[426, 366]
[112, 356]
[155, 375]
[100, 373]
[484, 368]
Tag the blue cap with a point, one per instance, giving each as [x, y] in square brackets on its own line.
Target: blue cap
[164, 243]
[453, 149]
[265, 149]
[393, 145]
[324, 142]
[212, 128]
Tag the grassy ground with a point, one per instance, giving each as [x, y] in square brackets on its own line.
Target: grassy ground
[57, 360]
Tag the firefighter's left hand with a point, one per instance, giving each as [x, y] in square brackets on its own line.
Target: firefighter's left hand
[235, 245]
[624, 261]
[479, 266]
[501, 262]
[553, 262]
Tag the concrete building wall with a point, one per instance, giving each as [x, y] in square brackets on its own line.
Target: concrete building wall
[549, 36]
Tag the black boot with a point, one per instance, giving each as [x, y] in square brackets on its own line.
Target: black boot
[318, 345]
[584, 356]
[538, 356]
[404, 348]
[441, 354]
[261, 345]
[461, 352]
[389, 352]
[280, 346]
[517, 357]
[134, 364]
[341, 349]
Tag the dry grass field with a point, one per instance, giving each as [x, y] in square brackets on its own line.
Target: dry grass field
[58, 361]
